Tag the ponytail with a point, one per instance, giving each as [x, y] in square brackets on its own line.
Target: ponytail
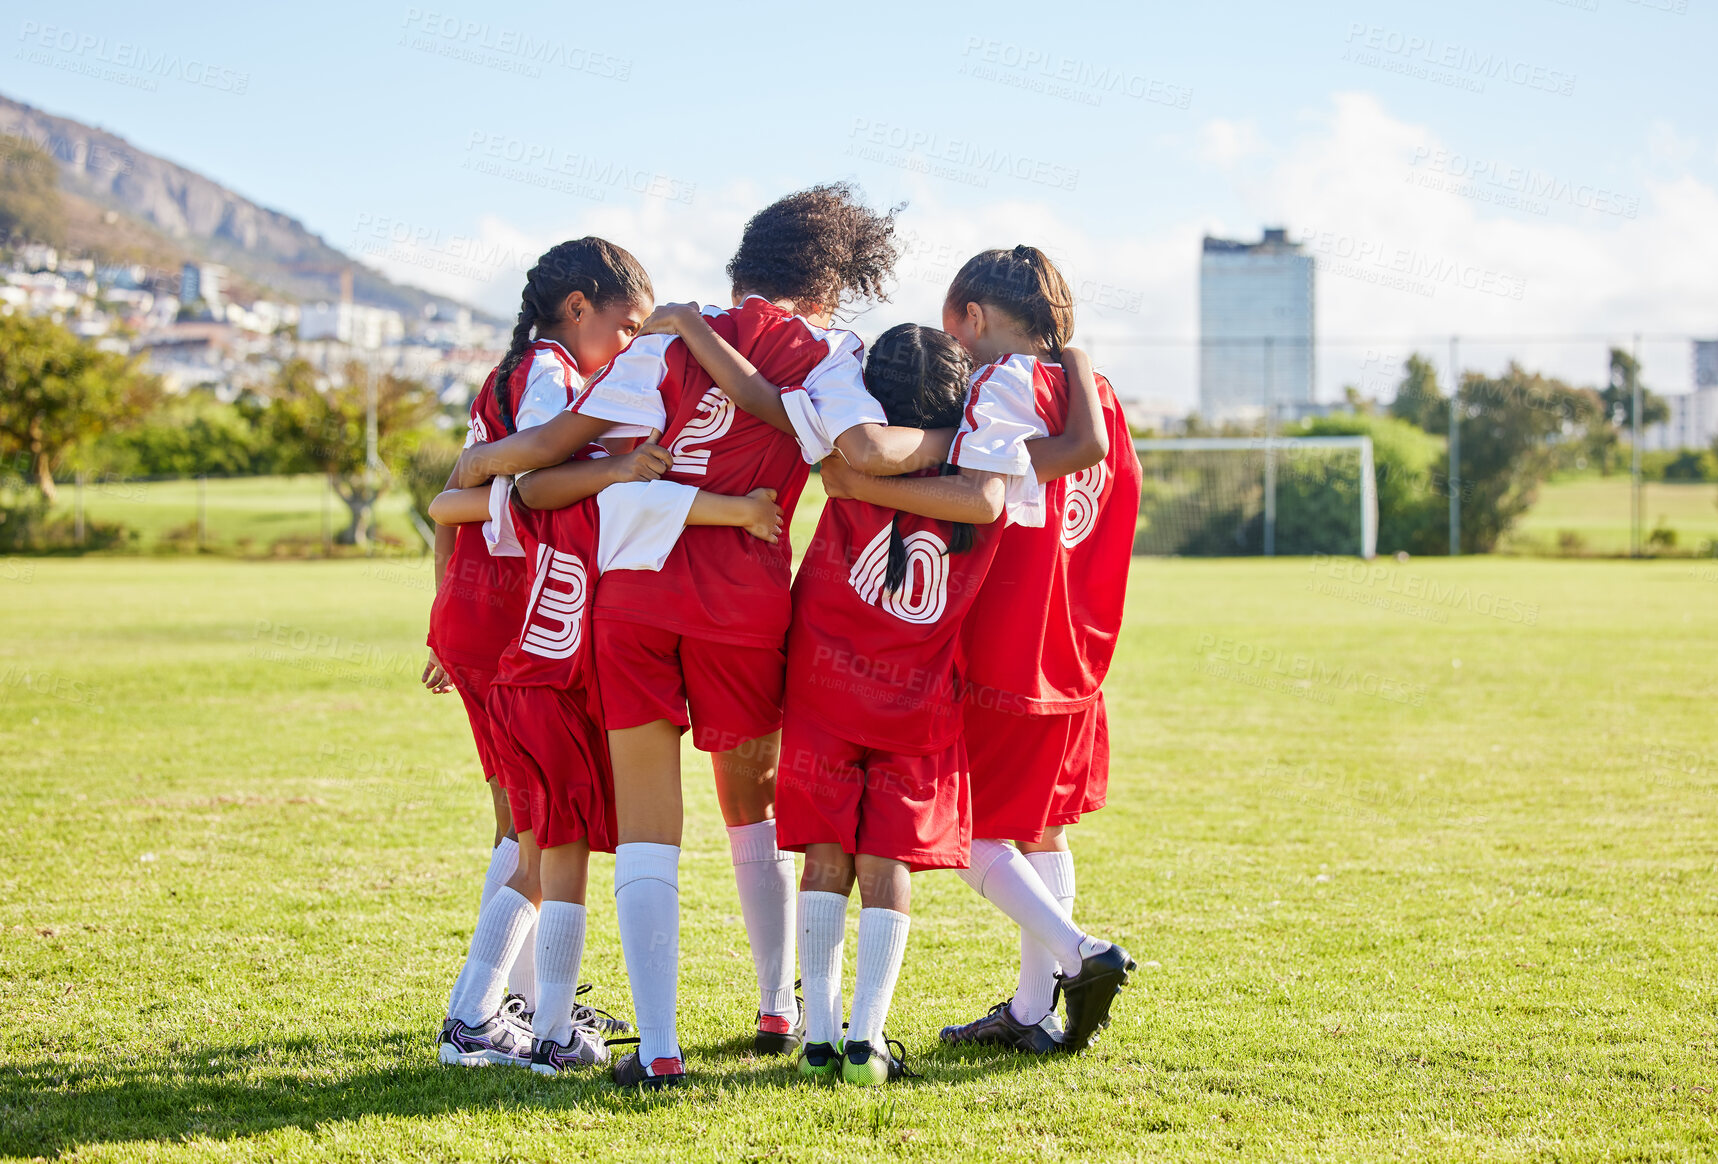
[919, 375]
[596, 267]
[1025, 285]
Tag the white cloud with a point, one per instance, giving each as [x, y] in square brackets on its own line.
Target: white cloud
[1223, 142]
[1355, 177]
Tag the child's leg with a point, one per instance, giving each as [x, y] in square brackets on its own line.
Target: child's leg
[1004, 877]
[885, 893]
[503, 929]
[560, 940]
[646, 763]
[527, 882]
[763, 874]
[823, 892]
[1050, 858]
[503, 812]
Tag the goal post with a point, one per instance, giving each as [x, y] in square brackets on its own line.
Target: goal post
[1258, 495]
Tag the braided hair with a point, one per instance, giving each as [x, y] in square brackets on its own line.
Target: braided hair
[1024, 284]
[594, 266]
[919, 375]
[820, 245]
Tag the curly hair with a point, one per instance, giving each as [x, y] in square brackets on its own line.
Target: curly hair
[820, 246]
[919, 375]
[595, 266]
[1024, 284]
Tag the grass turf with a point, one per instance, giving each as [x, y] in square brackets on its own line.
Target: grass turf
[1596, 510]
[1387, 906]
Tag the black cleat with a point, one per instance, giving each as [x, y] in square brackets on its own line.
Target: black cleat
[775, 1036]
[1000, 1028]
[1090, 993]
[630, 1071]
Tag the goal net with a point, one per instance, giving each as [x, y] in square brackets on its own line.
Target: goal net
[1231, 496]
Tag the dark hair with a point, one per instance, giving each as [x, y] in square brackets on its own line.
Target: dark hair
[595, 266]
[820, 245]
[919, 375]
[1026, 285]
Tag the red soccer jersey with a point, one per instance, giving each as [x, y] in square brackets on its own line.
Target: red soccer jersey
[628, 527]
[720, 583]
[478, 605]
[879, 668]
[1040, 636]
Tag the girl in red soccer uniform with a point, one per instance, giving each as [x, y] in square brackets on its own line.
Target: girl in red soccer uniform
[582, 303]
[701, 643]
[554, 759]
[1035, 730]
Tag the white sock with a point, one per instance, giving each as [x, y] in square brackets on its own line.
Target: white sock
[822, 930]
[502, 928]
[1035, 996]
[560, 947]
[764, 876]
[882, 946]
[503, 861]
[522, 975]
[647, 906]
[1003, 876]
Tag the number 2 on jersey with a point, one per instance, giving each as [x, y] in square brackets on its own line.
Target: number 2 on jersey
[715, 416]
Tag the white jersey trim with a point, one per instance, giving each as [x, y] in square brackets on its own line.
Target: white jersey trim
[641, 521]
[1001, 416]
[629, 391]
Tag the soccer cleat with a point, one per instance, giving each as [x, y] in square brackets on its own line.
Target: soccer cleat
[1088, 995]
[499, 1040]
[630, 1071]
[776, 1036]
[1000, 1028]
[868, 1065]
[820, 1060]
[584, 1049]
[594, 1016]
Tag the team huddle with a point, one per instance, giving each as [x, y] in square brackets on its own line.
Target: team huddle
[924, 693]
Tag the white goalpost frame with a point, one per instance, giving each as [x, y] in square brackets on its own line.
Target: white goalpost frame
[1270, 446]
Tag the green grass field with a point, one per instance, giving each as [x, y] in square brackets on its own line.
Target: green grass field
[1596, 509]
[1419, 864]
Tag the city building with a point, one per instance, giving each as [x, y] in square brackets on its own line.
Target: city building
[205, 282]
[1693, 422]
[356, 324]
[1256, 329]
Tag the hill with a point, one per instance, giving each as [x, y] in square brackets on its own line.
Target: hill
[128, 205]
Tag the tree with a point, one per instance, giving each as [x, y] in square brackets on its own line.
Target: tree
[56, 391]
[1511, 426]
[1418, 398]
[30, 192]
[320, 427]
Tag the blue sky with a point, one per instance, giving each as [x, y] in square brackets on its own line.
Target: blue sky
[450, 143]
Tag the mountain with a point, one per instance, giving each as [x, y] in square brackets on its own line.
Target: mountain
[128, 205]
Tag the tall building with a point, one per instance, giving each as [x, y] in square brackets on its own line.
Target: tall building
[1255, 327]
[204, 281]
[357, 324]
[1693, 422]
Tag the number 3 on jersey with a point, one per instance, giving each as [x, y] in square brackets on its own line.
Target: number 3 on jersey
[923, 595]
[715, 416]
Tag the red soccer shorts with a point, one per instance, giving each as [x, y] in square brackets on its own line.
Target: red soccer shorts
[914, 809]
[472, 683]
[554, 766]
[733, 692]
[1034, 772]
